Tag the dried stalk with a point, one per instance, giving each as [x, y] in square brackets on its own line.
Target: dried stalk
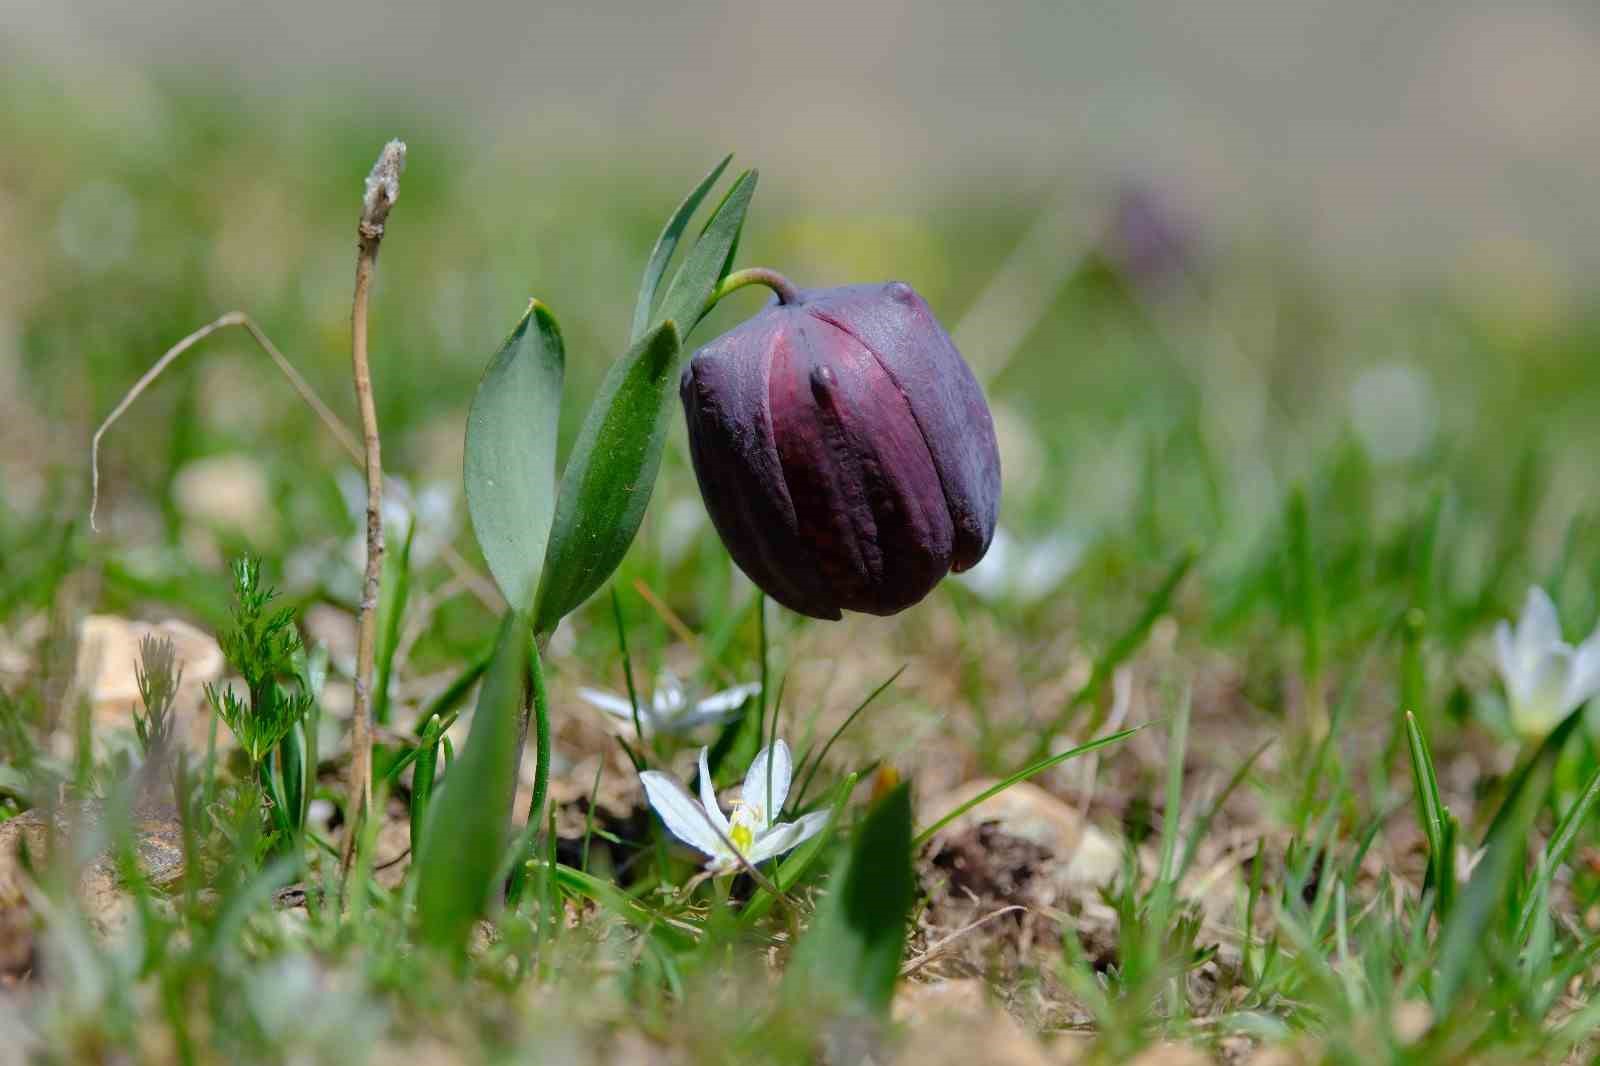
[383, 189]
[479, 585]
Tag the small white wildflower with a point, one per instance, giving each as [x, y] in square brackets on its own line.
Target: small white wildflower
[1545, 678]
[669, 711]
[432, 508]
[752, 832]
[1024, 573]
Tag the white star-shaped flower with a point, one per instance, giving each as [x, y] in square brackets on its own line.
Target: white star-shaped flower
[669, 711]
[1545, 678]
[752, 833]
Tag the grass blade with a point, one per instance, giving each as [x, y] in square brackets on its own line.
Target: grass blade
[1123, 647]
[1021, 775]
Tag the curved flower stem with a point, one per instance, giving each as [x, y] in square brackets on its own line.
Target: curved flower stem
[787, 293]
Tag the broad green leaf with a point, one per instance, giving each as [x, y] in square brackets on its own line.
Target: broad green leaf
[468, 819]
[850, 957]
[689, 296]
[666, 244]
[609, 476]
[510, 468]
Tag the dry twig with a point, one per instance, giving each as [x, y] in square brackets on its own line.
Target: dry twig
[383, 189]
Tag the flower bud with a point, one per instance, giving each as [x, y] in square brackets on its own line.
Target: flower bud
[844, 449]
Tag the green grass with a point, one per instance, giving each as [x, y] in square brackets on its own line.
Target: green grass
[1277, 589]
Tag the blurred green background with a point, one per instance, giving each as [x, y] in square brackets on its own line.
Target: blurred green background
[1200, 255]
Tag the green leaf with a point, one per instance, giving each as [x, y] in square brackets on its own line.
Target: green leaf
[609, 476]
[510, 469]
[1023, 774]
[1465, 936]
[689, 296]
[395, 591]
[666, 244]
[850, 957]
[468, 820]
[1556, 852]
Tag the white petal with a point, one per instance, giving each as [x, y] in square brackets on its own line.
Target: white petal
[1505, 650]
[1585, 680]
[708, 797]
[780, 838]
[727, 700]
[1538, 628]
[693, 719]
[1542, 703]
[669, 695]
[1044, 566]
[685, 818]
[607, 701]
[755, 782]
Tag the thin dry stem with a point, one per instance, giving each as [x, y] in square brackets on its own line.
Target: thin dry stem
[233, 318]
[939, 947]
[382, 189]
[480, 585]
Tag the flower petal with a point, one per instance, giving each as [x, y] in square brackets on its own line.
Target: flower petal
[668, 698]
[683, 817]
[1543, 701]
[694, 718]
[1585, 680]
[1506, 654]
[1538, 628]
[756, 780]
[780, 838]
[708, 798]
[608, 702]
[727, 700]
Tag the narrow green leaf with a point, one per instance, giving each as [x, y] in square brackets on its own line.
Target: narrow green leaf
[1128, 642]
[609, 476]
[427, 759]
[850, 957]
[666, 244]
[1429, 805]
[510, 468]
[810, 770]
[1022, 775]
[1464, 937]
[689, 296]
[469, 817]
[392, 599]
[1202, 827]
[1556, 852]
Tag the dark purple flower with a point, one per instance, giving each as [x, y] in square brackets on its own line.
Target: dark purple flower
[844, 449]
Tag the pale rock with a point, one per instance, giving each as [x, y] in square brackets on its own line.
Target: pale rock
[108, 655]
[1169, 1054]
[228, 491]
[955, 1022]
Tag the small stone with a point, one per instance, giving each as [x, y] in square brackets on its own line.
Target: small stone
[227, 492]
[1169, 1054]
[956, 1022]
[108, 657]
